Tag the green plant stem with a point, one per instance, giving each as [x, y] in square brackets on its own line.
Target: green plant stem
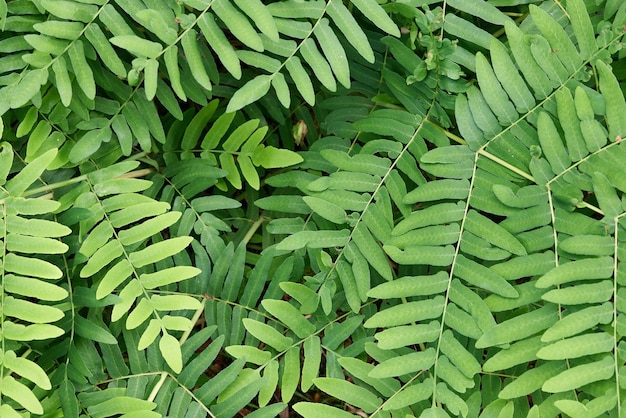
[53, 186]
[253, 228]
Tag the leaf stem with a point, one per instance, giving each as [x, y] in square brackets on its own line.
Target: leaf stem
[505, 164]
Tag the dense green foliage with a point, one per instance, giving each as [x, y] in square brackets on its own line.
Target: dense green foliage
[391, 209]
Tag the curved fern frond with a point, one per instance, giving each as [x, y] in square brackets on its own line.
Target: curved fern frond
[117, 235]
[31, 291]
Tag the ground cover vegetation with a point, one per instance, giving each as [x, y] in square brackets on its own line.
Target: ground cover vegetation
[324, 208]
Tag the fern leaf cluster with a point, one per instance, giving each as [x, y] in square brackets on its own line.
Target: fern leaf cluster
[335, 208]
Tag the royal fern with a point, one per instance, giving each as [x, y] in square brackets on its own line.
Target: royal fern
[217, 208]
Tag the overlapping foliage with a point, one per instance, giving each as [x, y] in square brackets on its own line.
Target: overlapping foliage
[404, 208]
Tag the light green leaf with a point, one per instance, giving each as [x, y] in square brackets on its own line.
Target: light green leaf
[139, 314]
[372, 10]
[579, 321]
[558, 38]
[570, 124]
[509, 77]
[579, 376]
[438, 190]
[159, 251]
[482, 9]
[271, 157]
[195, 59]
[349, 392]
[312, 361]
[27, 369]
[170, 350]
[151, 76]
[267, 391]
[260, 15]
[494, 93]
[411, 286]
[615, 103]
[409, 395]
[487, 229]
[122, 405]
[89, 143]
[333, 51]
[6, 157]
[519, 327]
[607, 197]
[530, 380]
[30, 312]
[267, 334]
[282, 89]
[290, 316]
[171, 64]
[71, 10]
[533, 73]
[441, 213]
[238, 24]
[478, 275]
[36, 206]
[584, 293]
[459, 355]
[21, 394]
[405, 364]
[35, 288]
[26, 88]
[168, 276]
[19, 332]
[252, 91]
[174, 302]
[107, 54]
[584, 269]
[407, 313]
[360, 369]
[517, 353]
[291, 373]
[326, 209]
[366, 244]
[101, 258]
[137, 46]
[314, 239]
[316, 410]
[346, 23]
[301, 78]
[348, 282]
[583, 28]
[29, 174]
[589, 245]
[250, 354]
[578, 346]
[59, 29]
[240, 135]
[63, 82]
[82, 71]
[34, 245]
[408, 335]
[422, 254]
[318, 64]
[453, 377]
[150, 334]
[31, 267]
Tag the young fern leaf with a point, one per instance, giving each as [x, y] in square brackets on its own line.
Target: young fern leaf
[26, 275]
[117, 238]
